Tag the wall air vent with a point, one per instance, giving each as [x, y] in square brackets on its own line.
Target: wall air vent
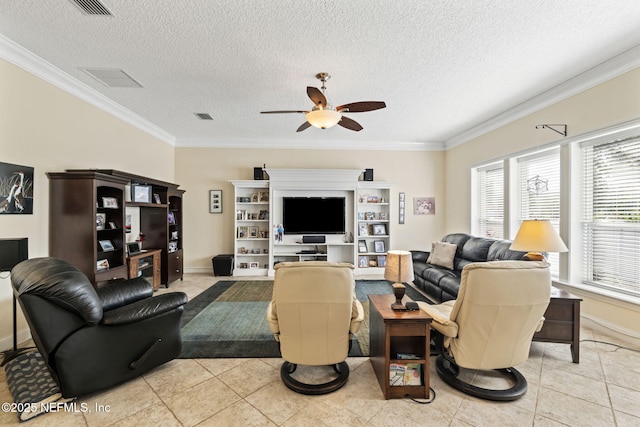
[204, 116]
[92, 7]
[112, 77]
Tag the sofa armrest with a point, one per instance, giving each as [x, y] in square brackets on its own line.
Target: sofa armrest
[124, 292]
[144, 309]
[272, 318]
[420, 256]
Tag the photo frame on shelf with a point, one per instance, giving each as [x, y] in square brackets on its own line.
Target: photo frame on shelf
[263, 196]
[112, 225]
[243, 232]
[254, 198]
[254, 264]
[106, 245]
[102, 264]
[156, 198]
[110, 202]
[253, 232]
[363, 262]
[379, 229]
[171, 218]
[378, 246]
[173, 247]
[382, 260]
[101, 220]
[363, 230]
[140, 193]
[215, 201]
[362, 246]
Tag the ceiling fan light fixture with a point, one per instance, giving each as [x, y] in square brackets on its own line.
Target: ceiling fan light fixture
[323, 119]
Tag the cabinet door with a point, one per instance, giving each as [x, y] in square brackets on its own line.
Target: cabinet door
[175, 265]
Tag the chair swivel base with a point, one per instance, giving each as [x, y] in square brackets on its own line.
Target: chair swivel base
[448, 371]
[287, 369]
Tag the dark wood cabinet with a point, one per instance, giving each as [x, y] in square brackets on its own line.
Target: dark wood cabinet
[160, 221]
[86, 223]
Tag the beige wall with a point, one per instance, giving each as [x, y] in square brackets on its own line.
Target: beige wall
[48, 129]
[198, 170]
[612, 102]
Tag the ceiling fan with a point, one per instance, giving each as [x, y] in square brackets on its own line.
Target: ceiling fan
[324, 116]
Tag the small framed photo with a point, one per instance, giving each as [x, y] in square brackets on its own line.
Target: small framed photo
[106, 245]
[156, 198]
[171, 218]
[110, 202]
[253, 232]
[101, 220]
[141, 193]
[215, 201]
[372, 199]
[363, 262]
[173, 247]
[382, 261]
[382, 216]
[363, 230]
[362, 246]
[254, 198]
[112, 225]
[378, 246]
[243, 232]
[424, 205]
[369, 216]
[379, 229]
[254, 264]
[102, 264]
[263, 196]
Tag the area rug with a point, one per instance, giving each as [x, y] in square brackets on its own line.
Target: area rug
[228, 320]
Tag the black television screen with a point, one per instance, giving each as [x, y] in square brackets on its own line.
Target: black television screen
[313, 215]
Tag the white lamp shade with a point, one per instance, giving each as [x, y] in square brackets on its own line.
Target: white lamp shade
[323, 119]
[399, 267]
[537, 235]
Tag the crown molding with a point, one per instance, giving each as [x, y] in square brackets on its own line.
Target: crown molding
[614, 67]
[21, 57]
[318, 144]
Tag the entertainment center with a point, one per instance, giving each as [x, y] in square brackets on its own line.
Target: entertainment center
[310, 214]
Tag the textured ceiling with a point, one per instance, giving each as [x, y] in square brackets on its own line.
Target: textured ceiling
[443, 67]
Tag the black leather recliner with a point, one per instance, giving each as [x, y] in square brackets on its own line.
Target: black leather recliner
[95, 339]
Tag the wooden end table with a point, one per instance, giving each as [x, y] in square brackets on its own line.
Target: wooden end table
[562, 322]
[394, 332]
[147, 262]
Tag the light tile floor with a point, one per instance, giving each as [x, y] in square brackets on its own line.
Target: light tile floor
[602, 390]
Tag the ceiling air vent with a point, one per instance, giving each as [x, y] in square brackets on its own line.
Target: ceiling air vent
[204, 116]
[92, 7]
[112, 77]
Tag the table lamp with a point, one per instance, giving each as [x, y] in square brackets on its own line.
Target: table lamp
[399, 269]
[536, 236]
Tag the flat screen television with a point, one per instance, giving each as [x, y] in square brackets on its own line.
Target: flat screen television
[313, 215]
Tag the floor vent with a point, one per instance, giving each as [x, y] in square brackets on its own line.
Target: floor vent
[204, 116]
[92, 7]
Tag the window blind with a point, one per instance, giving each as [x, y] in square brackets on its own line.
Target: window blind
[491, 209]
[539, 192]
[611, 226]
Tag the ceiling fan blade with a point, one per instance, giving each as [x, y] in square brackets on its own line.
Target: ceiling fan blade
[304, 126]
[361, 107]
[316, 96]
[350, 124]
[283, 111]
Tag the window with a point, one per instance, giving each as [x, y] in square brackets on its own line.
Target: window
[539, 192]
[491, 201]
[611, 227]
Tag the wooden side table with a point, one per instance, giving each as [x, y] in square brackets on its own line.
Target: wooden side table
[562, 322]
[398, 332]
[147, 262]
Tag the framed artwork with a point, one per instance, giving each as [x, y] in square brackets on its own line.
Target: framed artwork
[424, 205]
[102, 264]
[378, 246]
[254, 264]
[379, 229]
[400, 208]
[16, 189]
[106, 245]
[382, 261]
[215, 201]
[141, 193]
[362, 246]
[101, 220]
[263, 196]
[110, 202]
[363, 230]
[363, 262]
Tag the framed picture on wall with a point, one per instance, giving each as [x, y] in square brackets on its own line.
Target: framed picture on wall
[215, 201]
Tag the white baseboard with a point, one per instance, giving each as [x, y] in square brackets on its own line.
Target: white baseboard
[6, 343]
[612, 326]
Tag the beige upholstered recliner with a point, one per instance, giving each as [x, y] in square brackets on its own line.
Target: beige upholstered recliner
[312, 314]
[490, 325]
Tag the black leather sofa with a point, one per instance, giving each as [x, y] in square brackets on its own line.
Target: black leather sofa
[94, 339]
[441, 284]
